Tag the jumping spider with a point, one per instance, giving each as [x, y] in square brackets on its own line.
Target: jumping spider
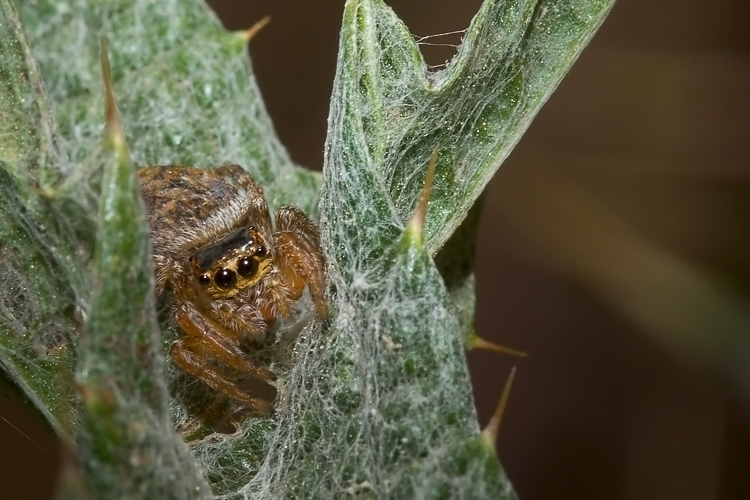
[229, 274]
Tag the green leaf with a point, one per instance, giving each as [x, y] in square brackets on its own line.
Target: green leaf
[36, 312]
[128, 444]
[391, 369]
[185, 90]
[27, 136]
[512, 58]
[36, 300]
[374, 403]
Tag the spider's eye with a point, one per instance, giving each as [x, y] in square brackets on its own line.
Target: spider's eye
[225, 278]
[261, 251]
[246, 267]
[204, 279]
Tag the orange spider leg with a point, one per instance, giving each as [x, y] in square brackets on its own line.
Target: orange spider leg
[292, 284]
[203, 336]
[298, 250]
[216, 340]
[183, 353]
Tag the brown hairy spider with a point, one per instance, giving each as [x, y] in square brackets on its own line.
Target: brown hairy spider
[230, 275]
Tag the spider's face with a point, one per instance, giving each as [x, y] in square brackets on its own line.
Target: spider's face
[237, 261]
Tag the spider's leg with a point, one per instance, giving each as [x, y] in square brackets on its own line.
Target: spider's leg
[185, 353]
[297, 246]
[215, 339]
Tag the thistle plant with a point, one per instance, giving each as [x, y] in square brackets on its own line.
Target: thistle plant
[376, 402]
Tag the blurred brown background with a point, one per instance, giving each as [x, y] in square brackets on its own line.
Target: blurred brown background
[614, 249]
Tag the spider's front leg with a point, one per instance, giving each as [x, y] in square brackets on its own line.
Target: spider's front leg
[297, 245]
[205, 339]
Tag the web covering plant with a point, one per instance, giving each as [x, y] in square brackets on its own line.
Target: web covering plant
[377, 402]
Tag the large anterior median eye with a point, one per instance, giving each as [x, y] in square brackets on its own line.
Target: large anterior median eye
[246, 267]
[225, 278]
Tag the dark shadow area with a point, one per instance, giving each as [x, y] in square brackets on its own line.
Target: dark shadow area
[30, 453]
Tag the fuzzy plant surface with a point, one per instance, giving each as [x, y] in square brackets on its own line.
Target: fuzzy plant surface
[373, 403]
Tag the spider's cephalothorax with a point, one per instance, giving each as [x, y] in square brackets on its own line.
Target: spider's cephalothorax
[230, 272]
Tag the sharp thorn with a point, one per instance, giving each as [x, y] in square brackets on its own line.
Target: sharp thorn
[493, 427]
[112, 126]
[249, 33]
[474, 341]
[417, 221]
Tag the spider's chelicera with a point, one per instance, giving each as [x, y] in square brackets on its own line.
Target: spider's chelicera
[229, 271]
